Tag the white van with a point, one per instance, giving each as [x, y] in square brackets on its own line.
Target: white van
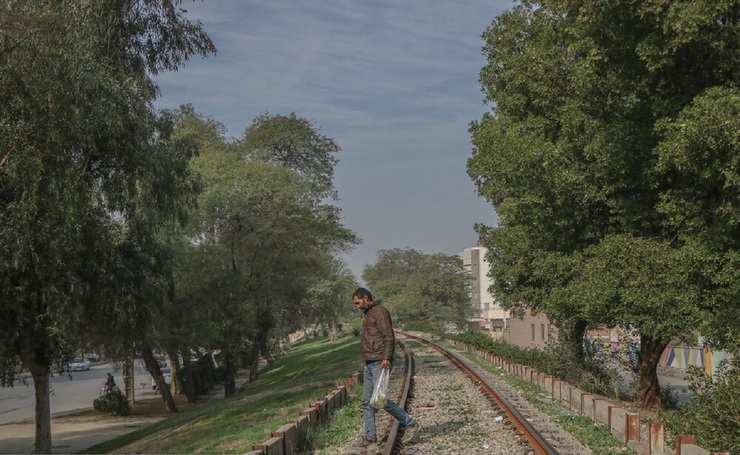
[167, 374]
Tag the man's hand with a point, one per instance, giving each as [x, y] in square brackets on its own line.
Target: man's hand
[385, 364]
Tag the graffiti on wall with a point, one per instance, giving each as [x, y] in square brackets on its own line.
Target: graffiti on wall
[615, 350]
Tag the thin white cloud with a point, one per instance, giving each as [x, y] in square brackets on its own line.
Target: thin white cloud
[394, 83]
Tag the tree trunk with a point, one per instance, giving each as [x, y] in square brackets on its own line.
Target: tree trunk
[128, 374]
[266, 352]
[650, 351]
[254, 362]
[175, 368]
[572, 336]
[40, 376]
[153, 367]
[189, 385]
[35, 350]
[229, 374]
[263, 336]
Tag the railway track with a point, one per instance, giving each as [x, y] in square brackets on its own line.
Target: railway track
[462, 410]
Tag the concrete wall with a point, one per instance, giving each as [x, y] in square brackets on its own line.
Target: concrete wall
[529, 331]
[682, 357]
[678, 357]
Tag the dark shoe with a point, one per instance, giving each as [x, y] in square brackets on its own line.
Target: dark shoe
[409, 431]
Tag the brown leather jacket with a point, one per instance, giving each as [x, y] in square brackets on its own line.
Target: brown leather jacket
[378, 341]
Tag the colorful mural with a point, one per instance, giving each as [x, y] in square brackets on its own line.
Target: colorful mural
[622, 351]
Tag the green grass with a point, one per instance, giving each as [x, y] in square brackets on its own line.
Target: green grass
[303, 375]
[343, 426]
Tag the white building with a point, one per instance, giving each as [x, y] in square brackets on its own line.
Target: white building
[488, 312]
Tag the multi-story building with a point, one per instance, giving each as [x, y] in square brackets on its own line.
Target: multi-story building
[488, 314]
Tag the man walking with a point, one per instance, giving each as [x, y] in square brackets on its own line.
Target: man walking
[377, 346]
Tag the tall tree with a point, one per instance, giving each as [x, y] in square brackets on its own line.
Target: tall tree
[187, 323]
[80, 181]
[392, 271]
[591, 102]
[699, 159]
[263, 232]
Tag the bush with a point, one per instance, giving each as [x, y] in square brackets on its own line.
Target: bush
[529, 356]
[587, 373]
[591, 373]
[113, 402]
[713, 412]
[419, 326]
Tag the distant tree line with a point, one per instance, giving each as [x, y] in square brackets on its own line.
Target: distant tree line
[424, 289]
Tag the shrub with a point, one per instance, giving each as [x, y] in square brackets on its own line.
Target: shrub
[529, 356]
[588, 373]
[421, 326]
[113, 402]
[713, 413]
[591, 373]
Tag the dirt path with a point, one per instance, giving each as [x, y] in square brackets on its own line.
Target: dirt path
[70, 434]
[74, 432]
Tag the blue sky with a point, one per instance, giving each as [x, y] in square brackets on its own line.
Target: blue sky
[394, 83]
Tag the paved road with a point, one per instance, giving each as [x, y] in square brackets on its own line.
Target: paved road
[67, 393]
[72, 434]
[674, 379]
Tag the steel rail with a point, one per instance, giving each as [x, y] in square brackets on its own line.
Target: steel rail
[408, 372]
[535, 439]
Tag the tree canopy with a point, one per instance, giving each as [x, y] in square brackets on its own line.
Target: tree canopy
[151, 223]
[419, 287]
[88, 176]
[611, 155]
[295, 143]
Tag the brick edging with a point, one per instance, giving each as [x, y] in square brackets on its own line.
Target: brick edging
[286, 439]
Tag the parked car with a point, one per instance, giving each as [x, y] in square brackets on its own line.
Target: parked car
[167, 374]
[78, 364]
[91, 356]
[161, 360]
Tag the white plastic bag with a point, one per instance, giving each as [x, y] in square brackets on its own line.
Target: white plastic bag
[379, 398]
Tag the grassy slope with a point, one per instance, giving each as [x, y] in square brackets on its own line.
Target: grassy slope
[301, 376]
